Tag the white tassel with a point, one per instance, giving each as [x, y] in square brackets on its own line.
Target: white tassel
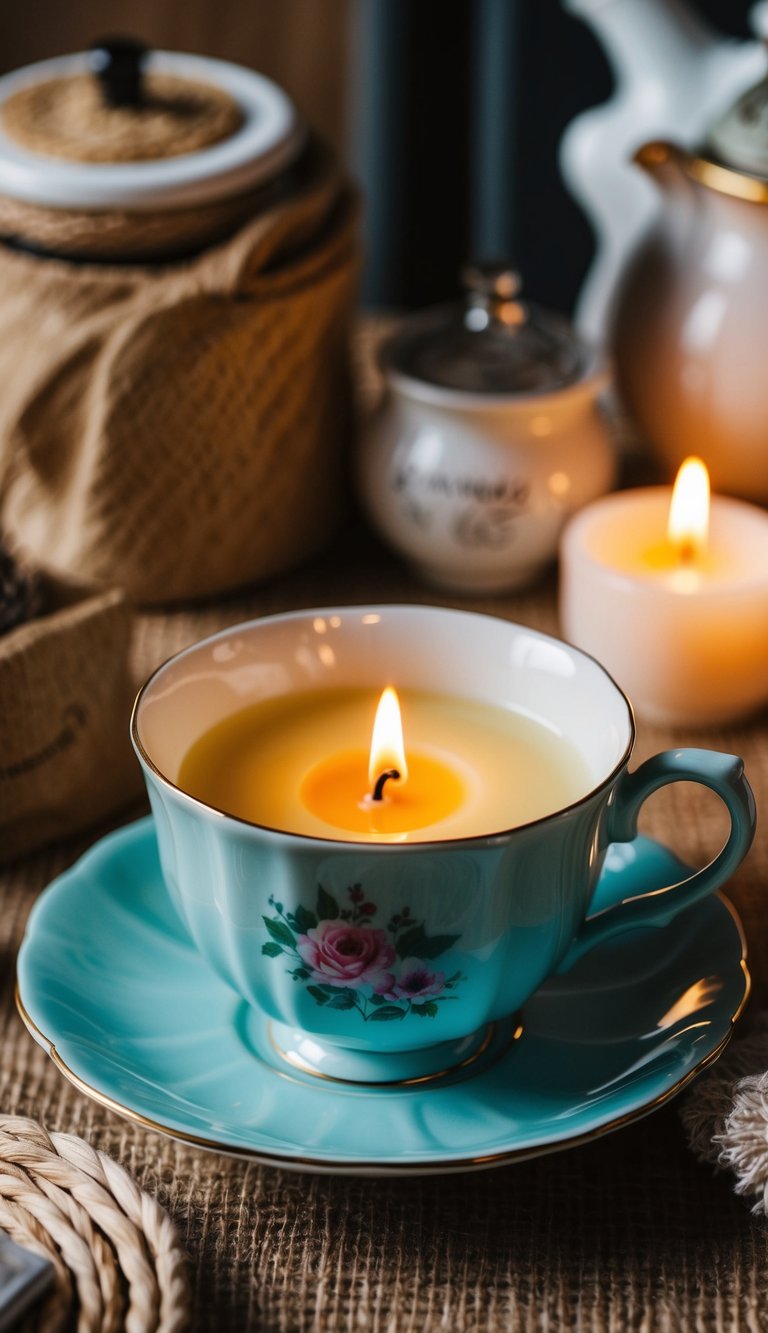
[744, 1140]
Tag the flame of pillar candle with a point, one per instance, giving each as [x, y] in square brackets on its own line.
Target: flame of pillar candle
[688, 524]
[387, 748]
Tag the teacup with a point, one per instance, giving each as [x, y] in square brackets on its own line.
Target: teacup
[387, 962]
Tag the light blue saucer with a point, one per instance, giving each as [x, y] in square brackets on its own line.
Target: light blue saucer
[110, 985]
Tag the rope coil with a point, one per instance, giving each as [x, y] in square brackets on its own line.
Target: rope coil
[117, 1259]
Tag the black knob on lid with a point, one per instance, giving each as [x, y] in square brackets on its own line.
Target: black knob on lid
[118, 63]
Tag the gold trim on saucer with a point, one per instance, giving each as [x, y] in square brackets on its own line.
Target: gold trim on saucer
[331, 1167]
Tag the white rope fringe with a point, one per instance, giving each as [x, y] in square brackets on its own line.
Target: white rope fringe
[725, 1115]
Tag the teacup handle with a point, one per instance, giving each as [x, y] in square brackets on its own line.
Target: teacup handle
[724, 774]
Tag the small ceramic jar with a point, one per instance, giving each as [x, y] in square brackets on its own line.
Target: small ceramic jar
[488, 438]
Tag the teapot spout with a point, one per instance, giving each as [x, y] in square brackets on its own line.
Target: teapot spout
[657, 157]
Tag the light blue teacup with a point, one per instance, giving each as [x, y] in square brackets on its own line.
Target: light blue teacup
[389, 962]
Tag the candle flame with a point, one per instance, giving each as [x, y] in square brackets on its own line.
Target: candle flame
[387, 749]
[688, 524]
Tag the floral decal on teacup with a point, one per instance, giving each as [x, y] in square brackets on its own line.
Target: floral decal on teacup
[350, 963]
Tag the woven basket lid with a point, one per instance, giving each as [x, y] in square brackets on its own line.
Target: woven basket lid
[200, 130]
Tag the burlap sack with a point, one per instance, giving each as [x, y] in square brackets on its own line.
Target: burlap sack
[179, 431]
[65, 701]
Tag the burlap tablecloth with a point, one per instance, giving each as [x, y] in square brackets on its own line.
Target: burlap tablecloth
[628, 1233]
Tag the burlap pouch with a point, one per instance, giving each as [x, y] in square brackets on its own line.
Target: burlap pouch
[179, 430]
[65, 701]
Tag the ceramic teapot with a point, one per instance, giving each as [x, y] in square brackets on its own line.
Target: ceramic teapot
[691, 317]
[673, 73]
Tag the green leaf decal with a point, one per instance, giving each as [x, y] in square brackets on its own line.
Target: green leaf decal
[387, 1013]
[271, 949]
[414, 943]
[317, 994]
[343, 999]
[427, 1010]
[327, 907]
[280, 932]
[303, 919]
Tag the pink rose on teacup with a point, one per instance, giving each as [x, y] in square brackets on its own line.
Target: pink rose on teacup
[416, 982]
[339, 954]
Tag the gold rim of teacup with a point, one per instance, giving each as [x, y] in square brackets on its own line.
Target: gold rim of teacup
[381, 847]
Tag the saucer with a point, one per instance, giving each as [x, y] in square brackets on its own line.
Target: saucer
[110, 984]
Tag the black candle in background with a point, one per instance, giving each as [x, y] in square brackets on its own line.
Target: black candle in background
[410, 135]
[494, 139]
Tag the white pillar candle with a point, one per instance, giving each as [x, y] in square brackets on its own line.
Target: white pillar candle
[679, 620]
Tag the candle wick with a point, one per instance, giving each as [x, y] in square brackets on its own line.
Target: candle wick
[378, 791]
[687, 551]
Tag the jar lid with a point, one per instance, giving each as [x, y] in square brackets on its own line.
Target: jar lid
[120, 127]
[493, 343]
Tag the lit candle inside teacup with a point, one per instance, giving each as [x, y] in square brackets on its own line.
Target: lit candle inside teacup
[301, 763]
[381, 792]
[669, 590]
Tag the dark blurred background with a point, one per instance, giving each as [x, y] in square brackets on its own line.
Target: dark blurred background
[449, 112]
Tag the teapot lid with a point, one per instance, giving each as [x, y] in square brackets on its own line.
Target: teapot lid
[739, 139]
[122, 127]
[493, 343]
